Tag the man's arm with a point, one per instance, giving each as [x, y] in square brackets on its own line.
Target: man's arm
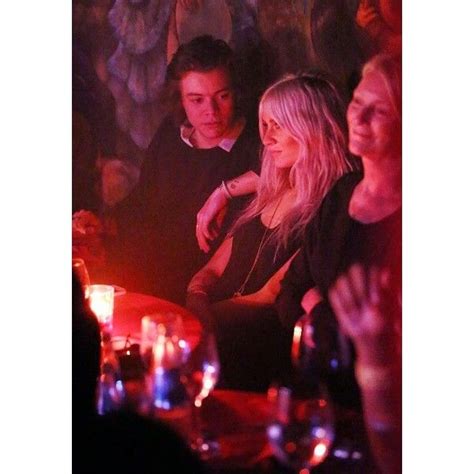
[197, 299]
[210, 217]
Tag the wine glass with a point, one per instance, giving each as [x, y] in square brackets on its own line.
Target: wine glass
[200, 375]
[319, 352]
[301, 431]
[169, 354]
[80, 270]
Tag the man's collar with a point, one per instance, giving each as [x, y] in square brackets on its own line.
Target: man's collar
[226, 143]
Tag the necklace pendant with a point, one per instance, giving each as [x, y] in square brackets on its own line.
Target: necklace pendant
[237, 294]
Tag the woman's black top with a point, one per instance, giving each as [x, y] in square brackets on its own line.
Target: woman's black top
[333, 242]
[246, 241]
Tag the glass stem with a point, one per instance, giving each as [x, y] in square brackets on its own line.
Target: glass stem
[196, 424]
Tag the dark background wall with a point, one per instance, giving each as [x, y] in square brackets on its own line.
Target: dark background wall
[120, 49]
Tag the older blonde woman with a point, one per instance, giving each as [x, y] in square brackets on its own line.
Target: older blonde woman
[360, 219]
[352, 243]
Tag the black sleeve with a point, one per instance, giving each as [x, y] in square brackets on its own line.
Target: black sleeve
[298, 279]
[296, 282]
[308, 268]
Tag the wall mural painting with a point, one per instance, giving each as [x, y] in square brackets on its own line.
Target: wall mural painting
[121, 49]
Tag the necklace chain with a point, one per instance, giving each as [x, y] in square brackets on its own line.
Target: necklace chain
[263, 242]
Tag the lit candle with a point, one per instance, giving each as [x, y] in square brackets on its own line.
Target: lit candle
[101, 300]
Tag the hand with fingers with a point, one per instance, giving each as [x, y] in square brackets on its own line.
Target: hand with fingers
[359, 300]
[210, 217]
[372, 320]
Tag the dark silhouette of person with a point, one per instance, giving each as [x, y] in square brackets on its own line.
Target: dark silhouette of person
[119, 442]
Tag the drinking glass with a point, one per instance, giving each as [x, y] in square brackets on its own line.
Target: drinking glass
[170, 353]
[168, 395]
[320, 352]
[200, 375]
[173, 325]
[80, 270]
[301, 430]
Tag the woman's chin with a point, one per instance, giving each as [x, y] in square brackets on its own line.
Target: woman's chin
[357, 148]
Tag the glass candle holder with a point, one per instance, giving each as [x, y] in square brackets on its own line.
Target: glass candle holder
[101, 301]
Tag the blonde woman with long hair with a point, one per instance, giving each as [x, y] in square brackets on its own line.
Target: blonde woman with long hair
[302, 128]
[348, 274]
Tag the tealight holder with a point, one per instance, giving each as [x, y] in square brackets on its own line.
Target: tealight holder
[101, 301]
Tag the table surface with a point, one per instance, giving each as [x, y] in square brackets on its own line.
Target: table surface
[129, 308]
[237, 419]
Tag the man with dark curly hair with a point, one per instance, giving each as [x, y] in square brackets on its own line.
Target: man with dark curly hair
[204, 141]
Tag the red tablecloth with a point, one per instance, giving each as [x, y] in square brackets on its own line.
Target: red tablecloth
[129, 308]
[239, 420]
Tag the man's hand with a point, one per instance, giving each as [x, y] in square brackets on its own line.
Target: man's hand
[209, 219]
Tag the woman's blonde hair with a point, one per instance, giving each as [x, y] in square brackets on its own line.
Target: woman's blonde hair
[310, 109]
[390, 69]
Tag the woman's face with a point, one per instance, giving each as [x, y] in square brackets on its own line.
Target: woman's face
[374, 128]
[284, 149]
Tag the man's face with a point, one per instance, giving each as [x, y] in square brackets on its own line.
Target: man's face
[208, 100]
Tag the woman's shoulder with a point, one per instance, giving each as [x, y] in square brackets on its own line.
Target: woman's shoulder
[341, 191]
[345, 184]
[335, 204]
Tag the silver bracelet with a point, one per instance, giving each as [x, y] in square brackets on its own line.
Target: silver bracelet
[226, 191]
